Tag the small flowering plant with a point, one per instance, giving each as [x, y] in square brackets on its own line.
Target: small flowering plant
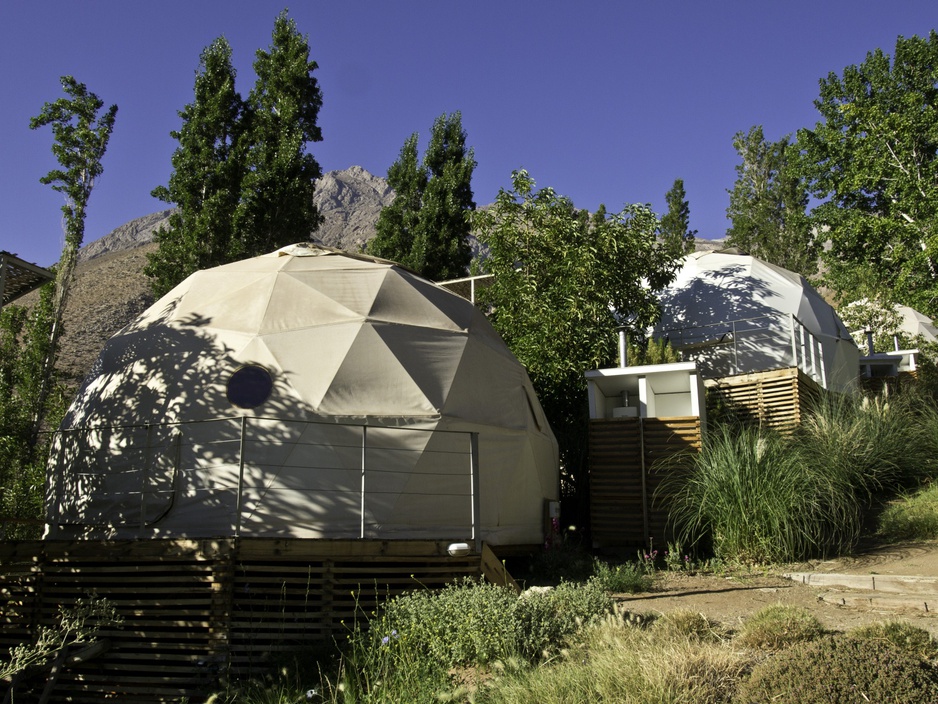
[386, 640]
[648, 559]
[675, 559]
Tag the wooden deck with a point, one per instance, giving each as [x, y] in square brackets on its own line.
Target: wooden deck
[199, 612]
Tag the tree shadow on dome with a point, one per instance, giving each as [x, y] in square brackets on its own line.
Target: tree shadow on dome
[152, 446]
[722, 320]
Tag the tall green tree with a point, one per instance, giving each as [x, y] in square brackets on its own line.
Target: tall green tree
[426, 228]
[562, 285]
[399, 222]
[675, 224]
[768, 204]
[208, 169]
[26, 394]
[276, 207]
[242, 180]
[31, 396]
[873, 162]
[81, 133]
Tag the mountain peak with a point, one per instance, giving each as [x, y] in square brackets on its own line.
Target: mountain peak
[349, 201]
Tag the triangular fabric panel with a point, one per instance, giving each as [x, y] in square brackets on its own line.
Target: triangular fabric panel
[407, 300]
[372, 381]
[309, 359]
[293, 304]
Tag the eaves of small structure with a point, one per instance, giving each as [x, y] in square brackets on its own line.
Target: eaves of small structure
[19, 277]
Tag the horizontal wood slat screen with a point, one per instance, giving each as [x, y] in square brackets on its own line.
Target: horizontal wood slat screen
[777, 399]
[623, 512]
[199, 611]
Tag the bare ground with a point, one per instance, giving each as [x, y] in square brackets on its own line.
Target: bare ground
[731, 598]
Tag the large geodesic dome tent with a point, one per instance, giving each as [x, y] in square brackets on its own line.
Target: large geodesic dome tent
[734, 314]
[307, 393]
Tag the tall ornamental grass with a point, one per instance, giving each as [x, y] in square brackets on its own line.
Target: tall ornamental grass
[875, 444]
[749, 495]
[754, 495]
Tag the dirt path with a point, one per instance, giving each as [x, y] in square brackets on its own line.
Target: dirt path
[730, 599]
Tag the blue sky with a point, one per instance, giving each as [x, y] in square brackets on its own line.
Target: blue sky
[606, 102]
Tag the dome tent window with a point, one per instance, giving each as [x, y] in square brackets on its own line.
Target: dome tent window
[250, 386]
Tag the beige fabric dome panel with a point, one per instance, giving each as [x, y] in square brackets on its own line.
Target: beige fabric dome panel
[385, 393]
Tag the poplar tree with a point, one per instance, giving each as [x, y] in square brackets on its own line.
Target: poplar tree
[81, 134]
[426, 228]
[205, 184]
[276, 206]
[242, 181]
[768, 204]
[31, 396]
[398, 223]
[675, 224]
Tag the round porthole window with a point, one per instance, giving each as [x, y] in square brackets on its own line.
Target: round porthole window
[250, 386]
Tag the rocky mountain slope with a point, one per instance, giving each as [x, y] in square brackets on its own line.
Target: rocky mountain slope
[348, 200]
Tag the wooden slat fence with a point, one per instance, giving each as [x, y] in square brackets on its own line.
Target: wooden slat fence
[198, 612]
[776, 399]
[626, 469]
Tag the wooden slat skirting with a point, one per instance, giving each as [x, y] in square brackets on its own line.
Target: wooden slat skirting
[197, 612]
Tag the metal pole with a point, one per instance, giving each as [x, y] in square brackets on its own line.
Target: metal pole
[794, 341]
[364, 443]
[240, 477]
[474, 490]
[641, 451]
[735, 351]
[143, 479]
[804, 347]
[814, 346]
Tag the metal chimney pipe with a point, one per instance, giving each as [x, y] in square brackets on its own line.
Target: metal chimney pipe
[869, 343]
[623, 349]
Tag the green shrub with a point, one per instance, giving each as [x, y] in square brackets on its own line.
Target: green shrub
[911, 517]
[779, 626]
[841, 670]
[408, 652]
[470, 622]
[626, 578]
[475, 623]
[914, 640]
[546, 619]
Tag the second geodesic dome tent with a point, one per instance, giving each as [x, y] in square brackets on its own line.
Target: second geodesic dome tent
[306, 393]
[734, 313]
